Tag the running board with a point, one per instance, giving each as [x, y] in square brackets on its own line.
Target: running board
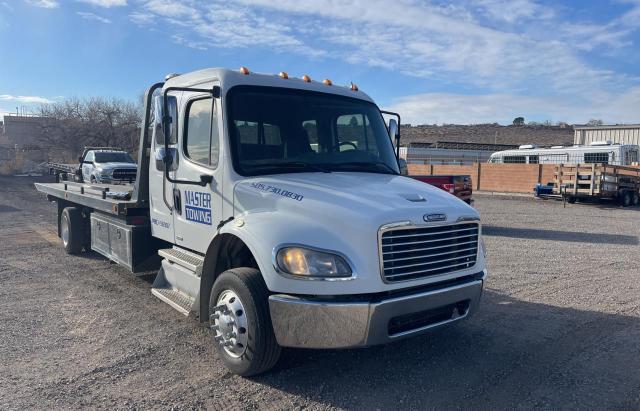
[180, 301]
[191, 261]
[178, 281]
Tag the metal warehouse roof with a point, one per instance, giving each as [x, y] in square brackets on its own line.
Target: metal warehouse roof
[612, 127]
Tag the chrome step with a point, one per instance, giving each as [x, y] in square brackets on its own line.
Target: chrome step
[178, 281]
[191, 261]
[178, 300]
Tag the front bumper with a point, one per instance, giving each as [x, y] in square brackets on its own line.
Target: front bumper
[327, 323]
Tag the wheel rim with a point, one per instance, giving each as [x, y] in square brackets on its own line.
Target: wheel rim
[229, 322]
[64, 231]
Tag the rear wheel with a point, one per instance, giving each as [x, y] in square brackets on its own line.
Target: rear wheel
[241, 323]
[571, 200]
[72, 230]
[626, 198]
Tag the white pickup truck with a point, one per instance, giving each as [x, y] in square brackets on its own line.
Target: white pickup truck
[276, 213]
[105, 165]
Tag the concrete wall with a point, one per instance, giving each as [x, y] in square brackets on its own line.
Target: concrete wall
[509, 178]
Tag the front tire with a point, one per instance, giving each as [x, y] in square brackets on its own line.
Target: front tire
[241, 323]
[72, 230]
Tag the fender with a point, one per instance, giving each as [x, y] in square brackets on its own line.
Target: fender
[231, 247]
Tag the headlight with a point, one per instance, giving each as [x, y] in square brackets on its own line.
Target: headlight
[311, 263]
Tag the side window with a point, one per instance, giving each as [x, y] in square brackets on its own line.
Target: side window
[514, 160]
[200, 143]
[157, 114]
[89, 156]
[602, 158]
[533, 160]
[252, 132]
[247, 132]
[272, 135]
[354, 132]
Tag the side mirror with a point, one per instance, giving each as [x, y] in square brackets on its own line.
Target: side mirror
[163, 157]
[393, 128]
[404, 169]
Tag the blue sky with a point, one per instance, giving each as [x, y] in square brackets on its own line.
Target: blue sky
[469, 61]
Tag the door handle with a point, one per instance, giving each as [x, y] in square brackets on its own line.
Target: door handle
[177, 201]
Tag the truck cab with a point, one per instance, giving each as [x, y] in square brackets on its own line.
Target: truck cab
[282, 218]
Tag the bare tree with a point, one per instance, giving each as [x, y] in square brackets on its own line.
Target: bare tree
[73, 123]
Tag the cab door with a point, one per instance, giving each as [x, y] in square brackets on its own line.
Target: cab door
[198, 207]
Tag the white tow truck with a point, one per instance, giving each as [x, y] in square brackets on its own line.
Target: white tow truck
[275, 211]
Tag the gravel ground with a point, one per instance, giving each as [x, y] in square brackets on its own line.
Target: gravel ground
[558, 328]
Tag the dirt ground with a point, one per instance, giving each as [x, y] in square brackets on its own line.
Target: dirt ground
[558, 327]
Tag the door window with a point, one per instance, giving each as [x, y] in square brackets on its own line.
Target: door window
[201, 142]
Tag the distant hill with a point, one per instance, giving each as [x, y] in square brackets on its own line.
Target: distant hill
[488, 134]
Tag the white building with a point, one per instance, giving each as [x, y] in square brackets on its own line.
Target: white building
[627, 134]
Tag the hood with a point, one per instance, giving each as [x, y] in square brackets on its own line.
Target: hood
[364, 198]
[110, 166]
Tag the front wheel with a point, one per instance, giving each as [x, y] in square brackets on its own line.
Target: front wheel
[241, 323]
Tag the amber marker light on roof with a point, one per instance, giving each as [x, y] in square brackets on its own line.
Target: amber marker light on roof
[327, 82]
[284, 75]
[306, 78]
[353, 87]
[244, 70]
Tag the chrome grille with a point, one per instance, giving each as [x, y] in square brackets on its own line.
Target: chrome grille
[124, 174]
[419, 252]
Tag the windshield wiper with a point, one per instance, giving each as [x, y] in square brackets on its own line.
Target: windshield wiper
[369, 165]
[293, 164]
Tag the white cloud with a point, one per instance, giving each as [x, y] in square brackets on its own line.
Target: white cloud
[47, 4]
[439, 108]
[141, 18]
[505, 49]
[223, 25]
[512, 11]
[25, 99]
[105, 3]
[93, 16]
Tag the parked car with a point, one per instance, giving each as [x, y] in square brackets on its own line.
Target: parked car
[458, 185]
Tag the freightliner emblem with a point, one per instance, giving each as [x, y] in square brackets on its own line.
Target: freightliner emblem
[435, 217]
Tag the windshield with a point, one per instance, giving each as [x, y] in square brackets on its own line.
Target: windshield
[275, 130]
[116, 157]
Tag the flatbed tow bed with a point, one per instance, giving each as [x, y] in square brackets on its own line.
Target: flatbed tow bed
[102, 197]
